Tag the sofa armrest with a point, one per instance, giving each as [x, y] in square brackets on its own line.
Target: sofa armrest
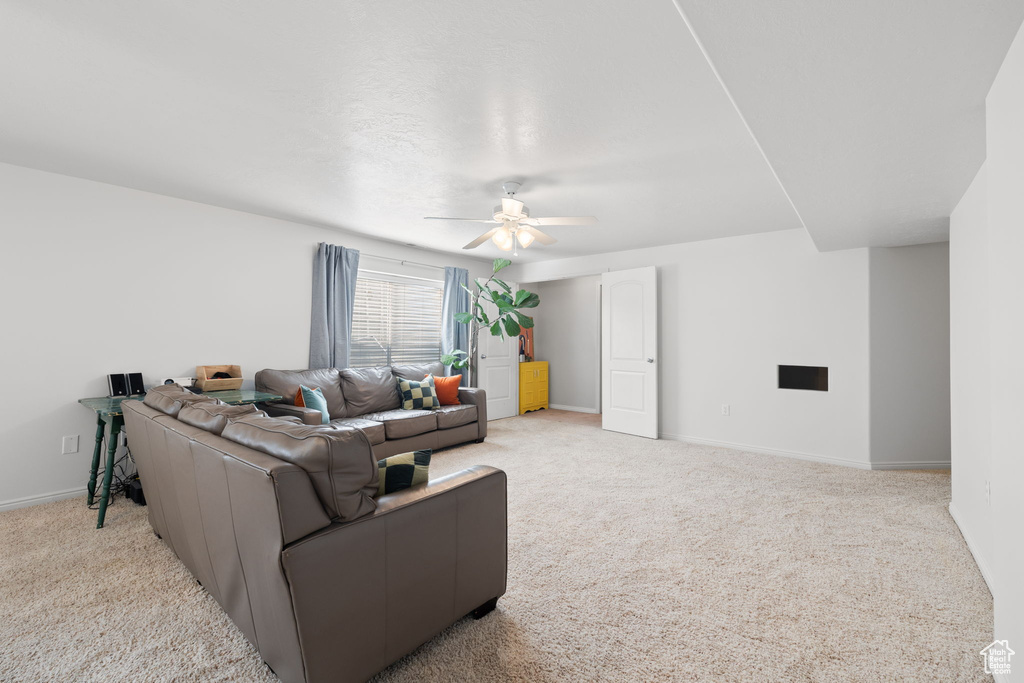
[308, 416]
[425, 558]
[478, 398]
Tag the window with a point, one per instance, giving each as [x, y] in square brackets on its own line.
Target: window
[395, 320]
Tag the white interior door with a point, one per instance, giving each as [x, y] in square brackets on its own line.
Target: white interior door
[498, 371]
[629, 345]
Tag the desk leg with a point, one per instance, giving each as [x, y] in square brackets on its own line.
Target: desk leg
[116, 422]
[100, 427]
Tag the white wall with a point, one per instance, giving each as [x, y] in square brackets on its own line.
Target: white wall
[567, 334]
[98, 279]
[731, 310]
[1005, 181]
[971, 371]
[910, 355]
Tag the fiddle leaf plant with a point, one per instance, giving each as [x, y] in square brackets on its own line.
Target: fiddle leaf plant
[506, 319]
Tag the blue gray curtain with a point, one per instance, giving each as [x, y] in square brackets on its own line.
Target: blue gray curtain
[455, 335]
[334, 294]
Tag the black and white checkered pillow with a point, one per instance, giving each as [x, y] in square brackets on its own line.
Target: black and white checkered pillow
[418, 395]
[402, 471]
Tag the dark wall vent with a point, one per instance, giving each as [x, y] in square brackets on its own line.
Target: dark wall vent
[803, 377]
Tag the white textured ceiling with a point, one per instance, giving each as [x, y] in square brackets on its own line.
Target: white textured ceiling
[366, 116]
[871, 112]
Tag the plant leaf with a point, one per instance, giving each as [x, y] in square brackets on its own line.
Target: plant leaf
[521, 296]
[500, 263]
[512, 327]
[525, 321]
[464, 318]
[531, 301]
[478, 285]
[502, 284]
[496, 328]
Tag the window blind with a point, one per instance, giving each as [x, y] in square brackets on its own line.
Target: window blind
[395, 320]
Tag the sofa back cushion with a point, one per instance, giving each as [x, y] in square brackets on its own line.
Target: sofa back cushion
[287, 382]
[338, 460]
[213, 417]
[370, 390]
[418, 371]
[169, 398]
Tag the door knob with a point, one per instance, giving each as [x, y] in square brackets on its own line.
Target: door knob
[483, 355]
[650, 360]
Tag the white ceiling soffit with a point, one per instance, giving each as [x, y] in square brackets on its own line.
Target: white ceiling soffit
[870, 112]
[367, 116]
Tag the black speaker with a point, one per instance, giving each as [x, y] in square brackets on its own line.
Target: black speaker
[118, 384]
[135, 386]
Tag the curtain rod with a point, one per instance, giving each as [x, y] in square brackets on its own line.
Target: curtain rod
[405, 261]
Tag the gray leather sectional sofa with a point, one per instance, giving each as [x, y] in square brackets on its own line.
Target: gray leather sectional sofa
[278, 521]
[368, 400]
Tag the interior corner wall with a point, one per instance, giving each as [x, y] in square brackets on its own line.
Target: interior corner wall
[909, 337]
[971, 371]
[567, 334]
[730, 311]
[1004, 167]
[99, 279]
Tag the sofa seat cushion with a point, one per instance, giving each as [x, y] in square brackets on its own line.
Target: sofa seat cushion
[369, 390]
[339, 460]
[287, 382]
[374, 430]
[455, 416]
[400, 424]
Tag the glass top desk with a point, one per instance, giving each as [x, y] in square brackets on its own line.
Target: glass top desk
[108, 412]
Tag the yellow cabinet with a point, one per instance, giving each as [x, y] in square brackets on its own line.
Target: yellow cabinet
[533, 386]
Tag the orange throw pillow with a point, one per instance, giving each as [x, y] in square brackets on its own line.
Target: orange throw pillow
[447, 389]
[298, 398]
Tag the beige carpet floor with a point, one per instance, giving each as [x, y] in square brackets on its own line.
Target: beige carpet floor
[630, 560]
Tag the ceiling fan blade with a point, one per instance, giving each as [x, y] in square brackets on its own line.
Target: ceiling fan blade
[565, 220]
[541, 237]
[481, 239]
[467, 220]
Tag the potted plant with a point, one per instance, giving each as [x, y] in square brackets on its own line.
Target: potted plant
[507, 318]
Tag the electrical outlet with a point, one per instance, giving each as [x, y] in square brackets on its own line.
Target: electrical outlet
[725, 409]
[69, 445]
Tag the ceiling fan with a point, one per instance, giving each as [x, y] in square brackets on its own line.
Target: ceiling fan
[515, 227]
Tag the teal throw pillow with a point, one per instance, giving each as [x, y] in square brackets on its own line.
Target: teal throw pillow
[402, 471]
[418, 395]
[314, 398]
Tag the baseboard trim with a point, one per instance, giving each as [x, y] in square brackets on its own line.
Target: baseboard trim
[859, 464]
[912, 465]
[29, 501]
[973, 547]
[574, 409]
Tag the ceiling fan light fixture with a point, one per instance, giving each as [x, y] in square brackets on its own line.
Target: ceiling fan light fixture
[511, 207]
[502, 235]
[507, 244]
[524, 237]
